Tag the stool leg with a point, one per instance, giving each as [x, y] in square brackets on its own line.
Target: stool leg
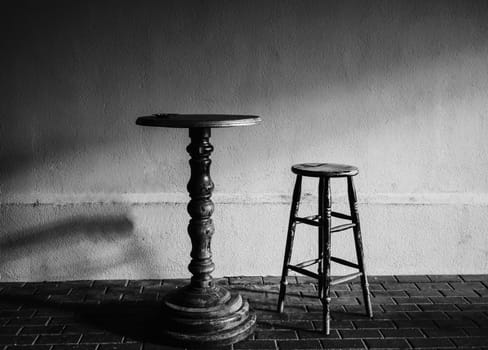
[325, 203]
[289, 240]
[321, 233]
[359, 244]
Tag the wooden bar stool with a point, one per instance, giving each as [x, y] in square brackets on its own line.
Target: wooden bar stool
[325, 172]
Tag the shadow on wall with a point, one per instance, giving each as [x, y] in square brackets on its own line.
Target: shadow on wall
[77, 75]
[96, 229]
[82, 246]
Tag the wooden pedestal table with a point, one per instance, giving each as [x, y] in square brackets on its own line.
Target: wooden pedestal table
[202, 312]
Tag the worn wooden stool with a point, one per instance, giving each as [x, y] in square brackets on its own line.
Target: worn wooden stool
[325, 172]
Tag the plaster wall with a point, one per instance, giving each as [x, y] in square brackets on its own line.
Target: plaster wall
[397, 88]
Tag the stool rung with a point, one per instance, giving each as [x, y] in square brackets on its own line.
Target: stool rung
[309, 220]
[303, 271]
[340, 215]
[342, 227]
[345, 278]
[316, 221]
[344, 262]
[308, 263]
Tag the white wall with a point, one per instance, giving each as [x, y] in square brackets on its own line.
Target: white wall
[397, 88]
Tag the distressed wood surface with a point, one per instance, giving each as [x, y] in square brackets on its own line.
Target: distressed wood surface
[198, 120]
[323, 220]
[203, 313]
[324, 170]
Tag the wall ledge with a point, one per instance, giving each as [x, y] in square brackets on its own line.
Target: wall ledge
[473, 199]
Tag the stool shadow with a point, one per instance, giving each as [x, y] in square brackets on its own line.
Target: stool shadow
[303, 312]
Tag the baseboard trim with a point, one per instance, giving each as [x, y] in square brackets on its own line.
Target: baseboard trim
[473, 199]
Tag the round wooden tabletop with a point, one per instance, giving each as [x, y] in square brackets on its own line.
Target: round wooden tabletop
[198, 120]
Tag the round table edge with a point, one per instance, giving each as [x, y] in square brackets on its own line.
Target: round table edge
[161, 122]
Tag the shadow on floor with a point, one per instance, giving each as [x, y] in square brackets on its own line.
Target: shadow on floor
[135, 321]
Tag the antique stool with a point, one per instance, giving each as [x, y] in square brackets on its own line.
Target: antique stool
[325, 172]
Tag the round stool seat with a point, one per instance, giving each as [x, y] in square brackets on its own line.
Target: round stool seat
[324, 170]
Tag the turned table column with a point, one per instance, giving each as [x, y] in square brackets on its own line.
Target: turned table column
[200, 208]
[202, 312]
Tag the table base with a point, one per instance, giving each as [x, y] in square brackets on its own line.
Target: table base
[203, 313]
[207, 316]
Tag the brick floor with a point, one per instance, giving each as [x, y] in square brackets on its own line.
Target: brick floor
[411, 312]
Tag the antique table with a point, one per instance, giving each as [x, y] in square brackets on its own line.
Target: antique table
[203, 312]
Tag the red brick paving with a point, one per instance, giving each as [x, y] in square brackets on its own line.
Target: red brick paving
[411, 312]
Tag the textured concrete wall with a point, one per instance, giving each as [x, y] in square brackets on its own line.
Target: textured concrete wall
[397, 88]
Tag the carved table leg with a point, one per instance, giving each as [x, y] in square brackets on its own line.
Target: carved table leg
[202, 312]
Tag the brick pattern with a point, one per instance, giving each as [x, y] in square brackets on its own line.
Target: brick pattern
[419, 312]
